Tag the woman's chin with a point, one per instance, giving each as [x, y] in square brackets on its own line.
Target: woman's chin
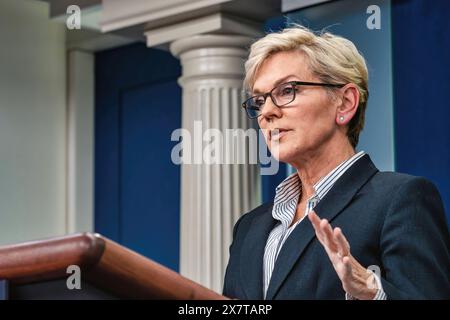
[285, 155]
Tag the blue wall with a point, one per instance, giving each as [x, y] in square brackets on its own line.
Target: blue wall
[137, 187]
[421, 54]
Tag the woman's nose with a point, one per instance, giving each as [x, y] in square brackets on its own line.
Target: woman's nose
[270, 110]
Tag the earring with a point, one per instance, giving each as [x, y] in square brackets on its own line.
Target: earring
[341, 118]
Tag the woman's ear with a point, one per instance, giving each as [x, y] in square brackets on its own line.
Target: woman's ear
[349, 104]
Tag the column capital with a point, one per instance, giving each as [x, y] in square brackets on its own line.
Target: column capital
[217, 23]
[208, 41]
[211, 57]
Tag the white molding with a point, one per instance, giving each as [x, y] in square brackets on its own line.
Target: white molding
[92, 41]
[119, 14]
[290, 5]
[133, 18]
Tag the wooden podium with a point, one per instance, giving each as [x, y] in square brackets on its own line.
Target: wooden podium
[38, 270]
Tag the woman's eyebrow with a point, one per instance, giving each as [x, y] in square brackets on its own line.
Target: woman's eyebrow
[279, 81]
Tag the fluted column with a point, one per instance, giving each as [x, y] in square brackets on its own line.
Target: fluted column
[213, 196]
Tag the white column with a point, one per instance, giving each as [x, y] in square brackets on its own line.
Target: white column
[213, 196]
[80, 141]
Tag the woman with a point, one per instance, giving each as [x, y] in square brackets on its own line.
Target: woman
[369, 234]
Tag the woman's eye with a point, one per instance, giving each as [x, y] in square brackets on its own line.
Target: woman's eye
[287, 91]
[259, 102]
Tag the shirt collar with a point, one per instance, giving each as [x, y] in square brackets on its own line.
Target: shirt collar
[288, 191]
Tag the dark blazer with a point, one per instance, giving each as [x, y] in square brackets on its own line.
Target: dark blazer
[391, 220]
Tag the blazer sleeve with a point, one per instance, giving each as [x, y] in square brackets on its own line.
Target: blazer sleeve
[226, 290]
[415, 244]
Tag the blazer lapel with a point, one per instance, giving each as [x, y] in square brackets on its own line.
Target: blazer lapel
[329, 207]
[252, 254]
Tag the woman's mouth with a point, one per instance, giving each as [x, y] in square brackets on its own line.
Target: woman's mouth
[277, 134]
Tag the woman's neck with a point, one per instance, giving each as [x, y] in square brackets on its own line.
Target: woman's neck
[314, 167]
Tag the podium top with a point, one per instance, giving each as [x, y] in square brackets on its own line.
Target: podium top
[103, 263]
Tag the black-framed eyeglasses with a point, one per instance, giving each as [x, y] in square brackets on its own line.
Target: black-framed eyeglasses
[281, 96]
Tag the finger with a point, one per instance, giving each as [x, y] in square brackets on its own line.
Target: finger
[328, 233]
[341, 241]
[319, 234]
[314, 218]
[315, 221]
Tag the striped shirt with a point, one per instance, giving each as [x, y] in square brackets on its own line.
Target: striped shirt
[286, 199]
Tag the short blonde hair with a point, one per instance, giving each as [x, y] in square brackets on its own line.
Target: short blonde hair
[333, 59]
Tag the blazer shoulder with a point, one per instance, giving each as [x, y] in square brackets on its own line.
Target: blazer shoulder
[389, 181]
[394, 177]
[398, 188]
[245, 220]
[258, 211]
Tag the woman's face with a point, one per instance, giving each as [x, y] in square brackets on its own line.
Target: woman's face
[306, 123]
